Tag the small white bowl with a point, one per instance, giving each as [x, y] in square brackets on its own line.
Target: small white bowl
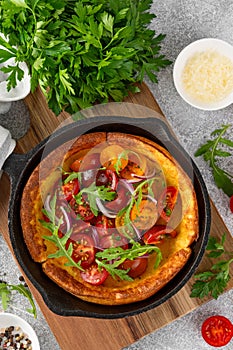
[22, 88]
[201, 45]
[7, 320]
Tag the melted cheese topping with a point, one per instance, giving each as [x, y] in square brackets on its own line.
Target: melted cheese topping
[208, 76]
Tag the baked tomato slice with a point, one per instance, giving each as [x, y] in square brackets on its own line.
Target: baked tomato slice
[94, 275]
[157, 233]
[136, 267]
[83, 249]
[217, 330]
[113, 240]
[112, 157]
[167, 201]
[144, 215]
[70, 188]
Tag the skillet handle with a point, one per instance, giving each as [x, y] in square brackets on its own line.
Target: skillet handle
[14, 166]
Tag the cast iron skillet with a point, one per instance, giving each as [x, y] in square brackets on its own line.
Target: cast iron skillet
[20, 167]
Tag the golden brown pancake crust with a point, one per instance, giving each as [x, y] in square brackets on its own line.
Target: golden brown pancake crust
[111, 292]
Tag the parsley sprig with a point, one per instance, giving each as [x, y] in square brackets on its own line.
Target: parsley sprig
[214, 281]
[117, 255]
[211, 153]
[6, 290]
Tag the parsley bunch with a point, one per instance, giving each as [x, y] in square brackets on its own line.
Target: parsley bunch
[214, 281]
[80, 51]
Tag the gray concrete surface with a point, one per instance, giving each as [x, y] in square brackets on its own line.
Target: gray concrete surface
[183, 21]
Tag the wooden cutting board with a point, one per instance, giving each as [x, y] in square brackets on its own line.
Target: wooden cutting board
[87, 333]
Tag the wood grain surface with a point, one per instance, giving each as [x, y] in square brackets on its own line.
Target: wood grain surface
[86, 333]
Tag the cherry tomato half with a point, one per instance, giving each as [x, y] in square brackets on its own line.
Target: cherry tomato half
[83, 249]
[94, 275]
[231, 204]
[70, 188]
[167, 201]
[103, 225]
[217, 330]
[82, 210]
[136, 266]
[123, 197]
[107, 178]
[156, 234]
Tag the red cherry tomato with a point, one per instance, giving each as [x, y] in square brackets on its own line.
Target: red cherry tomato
[113, 240]
[156, 234]
[107, 178]
[88, 162]
[231, 204]
[123, 197]
[217, 330]
[94, 275]
[82, 210]
[103, 225]
[70, 188]
[136, 266]
[83, 249]
[167, 202]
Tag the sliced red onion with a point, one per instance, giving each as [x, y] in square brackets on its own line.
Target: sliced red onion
[67, 219]
[146, 176]
[138, 233]
[47, 203]
[152, 199]
[104, 210]
[127, 185]
[95, 237]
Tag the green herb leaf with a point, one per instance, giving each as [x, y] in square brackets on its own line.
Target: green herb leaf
[80, 52]
[6, 292]
[26, 292]
[118, 255]
[93, 192]
[211, 153]
[214, 281]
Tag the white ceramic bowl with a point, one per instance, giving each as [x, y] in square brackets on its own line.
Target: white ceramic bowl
[7, 320]
[22, 88]
[218, 45]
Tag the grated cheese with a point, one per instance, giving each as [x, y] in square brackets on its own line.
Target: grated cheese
[208, 76]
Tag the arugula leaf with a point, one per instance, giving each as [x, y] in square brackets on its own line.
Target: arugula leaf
[211, 153]
[80, 52]
[60, 243]
[214, 281]
[6, 292]
[118, 255]
[93, 192]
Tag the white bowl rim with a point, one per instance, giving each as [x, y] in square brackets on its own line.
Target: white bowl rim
[15, 320]
[200, 45]
[21, 90]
